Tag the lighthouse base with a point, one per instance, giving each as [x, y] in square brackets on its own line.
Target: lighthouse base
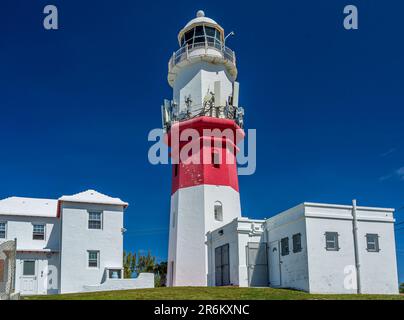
[194, 212]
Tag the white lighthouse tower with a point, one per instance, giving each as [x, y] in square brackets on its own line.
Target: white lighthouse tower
[205, 195]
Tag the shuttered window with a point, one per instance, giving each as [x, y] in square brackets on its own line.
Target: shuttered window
[284, 246]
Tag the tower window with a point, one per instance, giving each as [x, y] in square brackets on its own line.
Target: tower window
[216, 159]
[175, 170]
[218, 211]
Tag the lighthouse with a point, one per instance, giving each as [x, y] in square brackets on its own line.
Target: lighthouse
[205, 191]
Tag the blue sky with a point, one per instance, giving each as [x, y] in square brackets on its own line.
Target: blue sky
[77, 103]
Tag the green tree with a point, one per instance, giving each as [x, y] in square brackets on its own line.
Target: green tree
[402, 287]
[160, 272]
[145, 263]
[129, 264]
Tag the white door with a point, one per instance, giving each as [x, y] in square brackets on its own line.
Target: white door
[257, 264]
[29, 278]
[274, 264]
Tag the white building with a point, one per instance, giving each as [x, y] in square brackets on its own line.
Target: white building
[312, 247]
[72, 244]
[318, 248]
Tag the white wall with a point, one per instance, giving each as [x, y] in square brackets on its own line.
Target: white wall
[46, 269]
[143, 281]
[328, 270]
[247, 231]
[294, 266]
[215, 240]
[378, 270]
[21, 227]
[77, 239]
[194, 208]
[238, 233]
[196, 79]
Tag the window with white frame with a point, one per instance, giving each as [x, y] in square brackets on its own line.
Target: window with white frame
[38, 232]
[331, 241]
[218, 210]
[93, 259]
[3, 226]
[372, 242]
[94, 220]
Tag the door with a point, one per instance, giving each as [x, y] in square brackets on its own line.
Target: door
[29, 279]
[222, 266]
[274, 265]
[257, 264]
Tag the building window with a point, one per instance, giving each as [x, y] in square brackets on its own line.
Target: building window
[216, 159]
[372, 242]
[28, 268]
[93, 259]
[94, 220]
[2, 230]
[114, 274]
[285, 246]
[297, 242]
[331, 241]
[175, 170]
[38, 232]
[218, 209]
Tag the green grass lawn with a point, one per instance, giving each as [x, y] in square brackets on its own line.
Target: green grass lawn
[209, 293]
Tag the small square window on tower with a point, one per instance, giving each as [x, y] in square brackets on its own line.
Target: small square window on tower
[218, 211]
[216, 159]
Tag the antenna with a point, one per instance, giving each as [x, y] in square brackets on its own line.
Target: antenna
[218, 94]
[236, 88]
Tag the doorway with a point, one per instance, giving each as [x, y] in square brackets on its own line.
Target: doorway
[29, 279]
[274, 265]
[222, 266]
[257, 264]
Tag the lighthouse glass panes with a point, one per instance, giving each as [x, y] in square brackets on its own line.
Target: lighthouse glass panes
[201, 34]
[94, 220]
[38, 232]
[2, 230]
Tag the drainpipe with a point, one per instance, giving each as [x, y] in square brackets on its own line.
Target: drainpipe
[356, 246]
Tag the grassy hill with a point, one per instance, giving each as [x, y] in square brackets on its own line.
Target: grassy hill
[209, 293]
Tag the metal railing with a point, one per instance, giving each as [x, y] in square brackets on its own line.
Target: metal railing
[172, 115]
[184, 52]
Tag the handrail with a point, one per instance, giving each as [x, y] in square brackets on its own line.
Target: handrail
[183, 53]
